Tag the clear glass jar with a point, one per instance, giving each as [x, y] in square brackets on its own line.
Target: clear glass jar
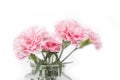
[47, 72]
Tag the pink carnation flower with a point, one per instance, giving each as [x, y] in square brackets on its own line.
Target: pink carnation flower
[94, 38]
[29, 41]
[70, 30]
[52, 45]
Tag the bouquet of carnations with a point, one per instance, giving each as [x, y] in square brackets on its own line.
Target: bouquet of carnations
[44, 49]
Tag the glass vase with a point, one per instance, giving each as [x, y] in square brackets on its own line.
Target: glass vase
[47, 72]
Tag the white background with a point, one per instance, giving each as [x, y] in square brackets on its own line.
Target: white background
[103, 16]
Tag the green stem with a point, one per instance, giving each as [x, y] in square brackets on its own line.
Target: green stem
[61, 54]
[67, 62]
[57, 59]
[69, 54]
[43, 55]
[52, 57]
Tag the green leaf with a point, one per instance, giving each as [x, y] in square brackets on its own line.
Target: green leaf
[65, 44]
[84, 43]
[33, 57]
